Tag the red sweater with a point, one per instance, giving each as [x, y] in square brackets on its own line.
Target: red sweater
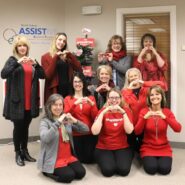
[112, 135]
[49, 65]
[27, 85]
[151, 71]
[155, 141]
[136, 104]
[83, 112]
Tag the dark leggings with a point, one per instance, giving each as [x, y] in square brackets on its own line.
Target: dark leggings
[114, 161]
[68, 173]
[84, 148]
[152, 165]
[21, 132]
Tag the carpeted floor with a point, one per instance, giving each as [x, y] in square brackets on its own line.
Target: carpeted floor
[11, 174]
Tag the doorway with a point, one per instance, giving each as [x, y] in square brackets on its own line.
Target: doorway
[132, 23]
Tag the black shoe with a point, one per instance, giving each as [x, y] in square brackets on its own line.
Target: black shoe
[18, 159]
[26, 156]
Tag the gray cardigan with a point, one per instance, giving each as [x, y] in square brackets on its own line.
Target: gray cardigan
[121, 68]
[49, 137]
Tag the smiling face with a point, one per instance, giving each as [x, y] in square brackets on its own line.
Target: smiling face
[104, 76]
[148, 42]
[114, 98]
[116, 45]
[22, 50]
[155, 97]
[61, 42]
[77, 84]
[133, 75]
[57, 108]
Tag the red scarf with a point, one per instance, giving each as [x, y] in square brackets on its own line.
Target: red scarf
[118, 55]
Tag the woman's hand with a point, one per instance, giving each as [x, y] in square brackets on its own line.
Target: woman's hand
[135, 84]
[62, 117]
[70, 118]
[104, 87]
[148, 114]
[160, 113]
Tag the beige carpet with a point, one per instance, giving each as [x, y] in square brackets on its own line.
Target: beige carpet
[11, 174]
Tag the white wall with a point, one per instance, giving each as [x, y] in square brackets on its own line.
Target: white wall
[66, 16]
[17, 14]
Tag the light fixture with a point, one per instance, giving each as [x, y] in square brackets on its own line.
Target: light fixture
[91, 10]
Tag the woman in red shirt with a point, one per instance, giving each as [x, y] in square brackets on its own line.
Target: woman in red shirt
[135, 94]
[154, 120]
[113, 153]
[59, 65]
[83, 107]
[152, 64]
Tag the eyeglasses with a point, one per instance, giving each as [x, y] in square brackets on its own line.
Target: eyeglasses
[77, 81]
[115, 98]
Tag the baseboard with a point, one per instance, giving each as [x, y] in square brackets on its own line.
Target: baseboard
[9, 140]
[180, 145]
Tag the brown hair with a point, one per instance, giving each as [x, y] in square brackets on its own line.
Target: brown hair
[160, 91]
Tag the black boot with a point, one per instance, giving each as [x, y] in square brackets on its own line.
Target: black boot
[18, 159]
[26, 156]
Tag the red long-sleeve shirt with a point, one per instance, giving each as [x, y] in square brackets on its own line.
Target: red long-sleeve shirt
[155, 141]
[151, 71]
[137, 103]
[83, 112]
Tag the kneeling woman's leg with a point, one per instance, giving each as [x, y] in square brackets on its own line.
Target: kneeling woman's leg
[64, 174]
[150, 164]
[123, 160]
[106, 162]
[164, 165]
[78, 169]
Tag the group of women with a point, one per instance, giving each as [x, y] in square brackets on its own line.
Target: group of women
[105, 122]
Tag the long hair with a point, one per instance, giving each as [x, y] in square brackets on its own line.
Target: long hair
[51, 100]
[127, 76]
[113, 38]
[53, 48]
[20, 40]
[148, 35]
[160, 91]
[85, 91]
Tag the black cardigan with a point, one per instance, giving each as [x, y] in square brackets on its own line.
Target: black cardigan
[14, 100]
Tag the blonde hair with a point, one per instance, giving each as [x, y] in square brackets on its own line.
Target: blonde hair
[127, 76]
[107, 68]
[20, 40]
[53, 48]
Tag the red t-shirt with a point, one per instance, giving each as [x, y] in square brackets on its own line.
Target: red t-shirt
[112, 135]
[27, 84]
[155, 141]
[64, 155]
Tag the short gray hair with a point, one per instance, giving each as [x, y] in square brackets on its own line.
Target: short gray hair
[51, 100]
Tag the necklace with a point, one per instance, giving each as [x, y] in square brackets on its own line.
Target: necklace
[156, 119]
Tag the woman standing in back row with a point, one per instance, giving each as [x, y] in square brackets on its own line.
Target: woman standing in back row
[59, 65]
[22, 75]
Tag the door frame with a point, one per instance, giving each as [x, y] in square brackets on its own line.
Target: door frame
[120, 12]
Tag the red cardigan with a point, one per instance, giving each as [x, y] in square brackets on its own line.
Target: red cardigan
[136, 104]
[86, 114]
[49, 65]
[151, 71]
[155, 141]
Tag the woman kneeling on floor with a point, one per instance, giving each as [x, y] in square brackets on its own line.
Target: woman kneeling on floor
[57, 156]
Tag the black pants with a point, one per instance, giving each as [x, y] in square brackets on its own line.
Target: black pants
[84, 148]
[153, 165]
[68, 173]
[114, 161]
[21, 132]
